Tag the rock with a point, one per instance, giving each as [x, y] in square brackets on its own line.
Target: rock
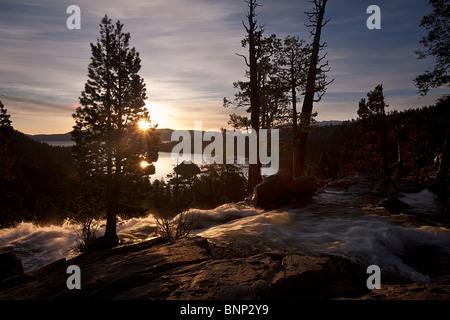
[278, 190]
[393, 204]
[302, 275]
[285, 165]
[429, 260]
[407, 186]
[302, 186]
[185, 269]
[362, 184]
[413, 291]
[273, 191]
[10, 266]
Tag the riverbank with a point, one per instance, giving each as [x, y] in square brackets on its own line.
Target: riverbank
[195, 269]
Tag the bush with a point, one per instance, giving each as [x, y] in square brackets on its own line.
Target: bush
[171, 228]
[88, 234]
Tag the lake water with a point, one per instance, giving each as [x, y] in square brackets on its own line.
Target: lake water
[164, 165]
[60, 143]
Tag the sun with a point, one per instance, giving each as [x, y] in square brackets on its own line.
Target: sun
[144, 164]
[144, 125]
[159, 114]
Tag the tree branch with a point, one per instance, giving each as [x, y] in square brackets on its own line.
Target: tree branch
[245, 58]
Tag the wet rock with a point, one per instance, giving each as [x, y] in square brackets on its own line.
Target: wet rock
[273, 191]
[407, 186]
[413, 291]
[429, 260]
[187, 269]
[279, 190]
[302, 186]
[183, 269]
[394, 204]
[361, 185]
[10, 266]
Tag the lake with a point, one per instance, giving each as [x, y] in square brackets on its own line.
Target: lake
[164, 165]
[60, 143]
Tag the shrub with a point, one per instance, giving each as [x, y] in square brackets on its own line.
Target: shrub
[171, 228]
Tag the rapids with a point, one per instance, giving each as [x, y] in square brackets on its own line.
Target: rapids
[331, 222]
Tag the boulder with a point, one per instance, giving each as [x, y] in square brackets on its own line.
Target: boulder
[407, 186]
[10, 266]
[278, 190]
[273, 191]
[429, 260]
[393, 204]
[302, 186]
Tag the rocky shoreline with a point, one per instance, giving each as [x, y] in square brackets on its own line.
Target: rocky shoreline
[195, 269]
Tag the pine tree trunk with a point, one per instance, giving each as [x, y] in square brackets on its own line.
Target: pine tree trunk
[110, 237]
[296, 169]
[385, 153]
[305, 119]
[254, 174]
[439, 182]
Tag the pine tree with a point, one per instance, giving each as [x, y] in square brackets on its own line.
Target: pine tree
[315, 81]
[110, 144]
[292, 61]
[437, 45]
[254, 172]
[373, 112]
[4, 117]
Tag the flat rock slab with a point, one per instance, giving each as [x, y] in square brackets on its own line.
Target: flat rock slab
[188, 269]
[413, 291]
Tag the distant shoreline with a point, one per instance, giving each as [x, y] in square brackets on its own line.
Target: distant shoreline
[164, 133]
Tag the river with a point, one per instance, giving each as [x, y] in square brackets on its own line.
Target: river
[332, 222]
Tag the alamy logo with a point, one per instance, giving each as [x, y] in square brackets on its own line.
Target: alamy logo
[74, 280]
[267, 151]
[374, 281]
[374, 21]
[74, 21]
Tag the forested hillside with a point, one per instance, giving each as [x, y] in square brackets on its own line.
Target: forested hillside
[35, 179]
[415, 140]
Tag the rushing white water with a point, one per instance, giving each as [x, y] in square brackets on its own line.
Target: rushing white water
[36, 246]
[331, 223]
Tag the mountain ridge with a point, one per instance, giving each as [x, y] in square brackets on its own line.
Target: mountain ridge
[165, 133]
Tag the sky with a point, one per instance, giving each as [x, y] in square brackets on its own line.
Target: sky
[188, 51]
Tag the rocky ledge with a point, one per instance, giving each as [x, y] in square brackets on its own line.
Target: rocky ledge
[193, 269]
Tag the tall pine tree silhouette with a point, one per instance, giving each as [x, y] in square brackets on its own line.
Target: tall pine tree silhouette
[110, 144]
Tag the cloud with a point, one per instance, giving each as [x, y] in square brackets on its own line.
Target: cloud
[38, 115]
[188, 56]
